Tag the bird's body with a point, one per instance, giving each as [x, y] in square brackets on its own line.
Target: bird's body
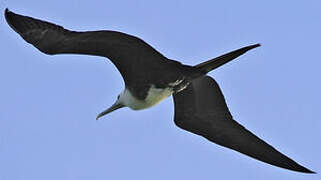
[150, 77]
[146, 94]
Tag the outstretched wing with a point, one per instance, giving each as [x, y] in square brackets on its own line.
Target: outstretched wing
[201, 109]
[125, 51]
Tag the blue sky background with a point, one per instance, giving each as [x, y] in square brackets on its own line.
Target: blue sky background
[48, 104]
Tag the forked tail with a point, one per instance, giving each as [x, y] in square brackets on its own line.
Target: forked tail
[209, 65]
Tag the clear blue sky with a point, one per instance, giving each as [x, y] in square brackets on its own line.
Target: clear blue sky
[48, 104]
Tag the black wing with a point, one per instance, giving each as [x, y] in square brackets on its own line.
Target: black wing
[131, 55]
[201, 109]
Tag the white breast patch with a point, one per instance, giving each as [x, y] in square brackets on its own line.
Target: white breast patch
[154, 96]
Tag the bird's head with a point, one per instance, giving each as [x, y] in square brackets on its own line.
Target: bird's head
[118, 104]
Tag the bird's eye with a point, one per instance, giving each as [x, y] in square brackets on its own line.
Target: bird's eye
[118, 96]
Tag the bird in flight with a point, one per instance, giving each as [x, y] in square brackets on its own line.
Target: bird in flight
[150, 77]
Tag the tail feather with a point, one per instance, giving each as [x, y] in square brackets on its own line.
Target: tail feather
[209, 65]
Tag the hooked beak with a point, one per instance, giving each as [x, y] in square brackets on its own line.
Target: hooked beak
[112, 108]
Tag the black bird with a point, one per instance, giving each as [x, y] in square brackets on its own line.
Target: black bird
[150, 77]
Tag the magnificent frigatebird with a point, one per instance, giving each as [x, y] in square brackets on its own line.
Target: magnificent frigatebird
[150, 77]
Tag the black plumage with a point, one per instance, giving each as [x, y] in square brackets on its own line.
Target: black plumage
[199, 103]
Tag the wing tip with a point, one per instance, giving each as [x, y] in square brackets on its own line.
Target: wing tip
[253, 46]
[305, 170]
[290, 164]
[7, 13]
[10, 18]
